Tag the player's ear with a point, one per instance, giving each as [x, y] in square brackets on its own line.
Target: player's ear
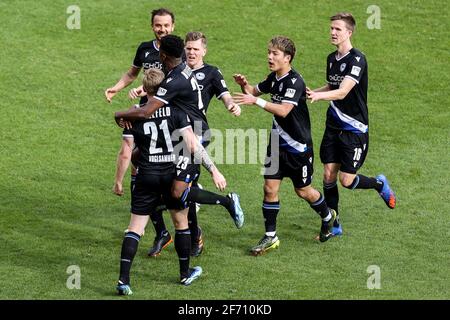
[288, 58]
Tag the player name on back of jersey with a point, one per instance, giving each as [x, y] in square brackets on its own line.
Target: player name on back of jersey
[162, 158]
[163, 112]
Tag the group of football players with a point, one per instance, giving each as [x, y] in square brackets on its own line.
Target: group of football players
[166, 135]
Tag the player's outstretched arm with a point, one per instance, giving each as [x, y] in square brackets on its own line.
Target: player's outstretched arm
[137, 92]
[281, 110]
[141, 113]
[245, 86]
[123, 161]
[337, 94]
[126, 79]
[231, 106]
[200, 155]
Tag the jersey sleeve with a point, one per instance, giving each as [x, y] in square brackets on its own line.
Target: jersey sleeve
[356, 68]
[292, 92]
[127, 133]
[219, 84]
[169, 89]
[265, 86]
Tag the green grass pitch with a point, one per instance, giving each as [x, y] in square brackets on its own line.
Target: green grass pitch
[59, 145]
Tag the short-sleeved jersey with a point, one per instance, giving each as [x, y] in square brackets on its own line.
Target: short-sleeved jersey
[350, 113]
[147, 56]
[180, 89]
[153, 137]
[295, 129]
[211, 83]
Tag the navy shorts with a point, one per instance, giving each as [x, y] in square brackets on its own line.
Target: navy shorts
[344, 147]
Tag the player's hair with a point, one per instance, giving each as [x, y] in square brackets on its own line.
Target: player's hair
[347, 17]
[163, 12]
[172, 45]
[152, 79]
[283, 44]
[196, 35]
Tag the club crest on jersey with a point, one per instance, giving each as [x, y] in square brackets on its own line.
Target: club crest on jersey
[293, 80]
[200, 76]
[168, 80]
[281, 86]
[357, 58]
[355, 70]
[146, 54]
[342, 67]
[161, 92]
[290, 92]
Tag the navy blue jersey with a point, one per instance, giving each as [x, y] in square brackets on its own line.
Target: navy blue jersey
[295, 129]
[211, 83]
[350, 113]
[147, 56]
[156, 138]
[180, 89]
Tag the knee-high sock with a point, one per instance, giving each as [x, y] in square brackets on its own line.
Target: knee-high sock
[270, 211]
[363, 182]
[183, 248]
[331, 193]
[195, 194]
[129, 247]
[192, 220]
[320, 206]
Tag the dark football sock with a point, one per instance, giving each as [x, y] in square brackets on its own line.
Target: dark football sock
[183, 248]
[195, 194]
[270, 211]
[129, 247]
[320, 206]
[158, 223]
[192, 220]
[331, 193]
[363, 182]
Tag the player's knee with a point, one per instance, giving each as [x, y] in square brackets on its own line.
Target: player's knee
[302, 193]
[346, 180]
[270, 193]
[307, 193]
[329, 176]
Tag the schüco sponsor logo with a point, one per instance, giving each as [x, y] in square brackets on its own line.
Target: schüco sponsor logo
[147, 65]
[335, 77]
[276, 97]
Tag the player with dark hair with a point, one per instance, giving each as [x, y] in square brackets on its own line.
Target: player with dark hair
[345, 142]
[147, 56]
[292, 155]
[156, 137]
[211, 83]
[180, 89]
